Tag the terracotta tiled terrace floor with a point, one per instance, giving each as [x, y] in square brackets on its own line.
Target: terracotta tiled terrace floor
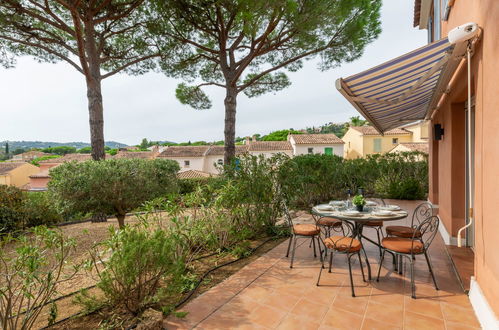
[267, 294]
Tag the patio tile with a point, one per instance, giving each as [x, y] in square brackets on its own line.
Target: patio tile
[338, 318]
[458, 326]
[422, 322]
[389, 314]
[370, 324]
[266, 316]
[281, 301]
[256, 292]
[458, 314]
[293, 322]
[309, 309]
[424, 306]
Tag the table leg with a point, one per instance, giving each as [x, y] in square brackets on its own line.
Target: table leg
[358, 233]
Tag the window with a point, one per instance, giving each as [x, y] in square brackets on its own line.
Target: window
[395, 141]
[328, 151]
[310, 150]
[187, 163]
[220, 162]
[377, 145]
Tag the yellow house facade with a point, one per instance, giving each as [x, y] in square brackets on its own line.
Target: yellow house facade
[361, 141]
[16, 174]
[419, 131]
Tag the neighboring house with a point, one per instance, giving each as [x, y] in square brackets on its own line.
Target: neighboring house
[328, 144]
[136, 154]
[188, 157]
[214, 157]
[16, 174]
[361, 141]
[411, 146]
[29, 156]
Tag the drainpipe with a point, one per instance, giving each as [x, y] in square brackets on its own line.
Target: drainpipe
[470, 188]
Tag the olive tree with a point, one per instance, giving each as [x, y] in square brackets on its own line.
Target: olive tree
[98, 38]
[114, 186]
[247, 45]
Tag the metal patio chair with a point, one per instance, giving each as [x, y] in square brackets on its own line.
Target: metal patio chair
[343, 244]
[409, 248]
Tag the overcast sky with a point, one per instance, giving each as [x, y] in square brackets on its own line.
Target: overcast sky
[47, 102]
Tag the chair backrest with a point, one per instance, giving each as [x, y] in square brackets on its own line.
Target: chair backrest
[427, 230]
[287, 216]
[422, 212]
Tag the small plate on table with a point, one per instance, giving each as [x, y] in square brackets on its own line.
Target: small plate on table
[351, 213]
[371, 203]
[337, 203]
[390, 207]
[382, 213]
[325, 207]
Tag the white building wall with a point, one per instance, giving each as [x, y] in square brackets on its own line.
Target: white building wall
[210, 161]
[195, 163]
[268, 154]
[302, 149]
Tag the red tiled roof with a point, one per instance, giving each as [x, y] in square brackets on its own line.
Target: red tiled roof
[7, 167]
[184, 151]
[219, 150]
[194, 174]
[41, 174]
[135, 154]
[416, 146]
[369, 130]
[67, 158]
[269, 146]
[316, 139]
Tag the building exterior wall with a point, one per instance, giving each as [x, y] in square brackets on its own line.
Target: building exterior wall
[268, 154]
[5, 179]
[19, 176]
[447, 157]
[195, 163]
[302, 149]
[354, 144]
[39, 183]
[419, 131]
[386, 143]
[209, 163]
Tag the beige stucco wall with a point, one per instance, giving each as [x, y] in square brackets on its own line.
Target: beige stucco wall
[196, 163]
[354, 144]
[209, 164]
[268, 154]
[5, 179]
[419, 131]
[20, 176]
[386, 142]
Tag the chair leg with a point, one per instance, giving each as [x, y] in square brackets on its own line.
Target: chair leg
[367, 264]
[293, 252]
[351, 277]
[361, 267]
[330, 261]
[320, 271]
[310, 245]
[381, 263]
[431, 269]
[395, 263]
[401, 264]
[379, 240]
[319, 247]
[313, 243]
[413, 284]
[289, 245]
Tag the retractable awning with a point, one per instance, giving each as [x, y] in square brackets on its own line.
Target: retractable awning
[405, 89]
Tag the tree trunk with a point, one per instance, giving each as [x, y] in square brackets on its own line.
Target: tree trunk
[230, 124]
[121, 220]
[94, 95]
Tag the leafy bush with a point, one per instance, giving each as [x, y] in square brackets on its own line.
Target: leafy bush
[11, 209]
[30, 274]
[37, 161]
[40, 210]
[187, 186]
[114, 186]
[140, 259]
[400, 188]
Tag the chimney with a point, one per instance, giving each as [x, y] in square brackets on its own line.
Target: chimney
[253, 138]
[247, 140]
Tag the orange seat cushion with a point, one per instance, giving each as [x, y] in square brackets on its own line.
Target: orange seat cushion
[402, 231]
[402, 245]
[374, 223]
[343, 243]
[306, 229]
[330, 222]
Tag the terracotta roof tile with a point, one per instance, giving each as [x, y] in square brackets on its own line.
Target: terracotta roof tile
[416, 146]
[41, 174]
[317, 139]
[194, 174]
[269, 146]
[219, 150]
[184, 151]
[7, 167]
[369, 130]
[135, 154]
[67, 158]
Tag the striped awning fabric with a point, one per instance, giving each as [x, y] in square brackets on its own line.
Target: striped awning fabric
[404, 89]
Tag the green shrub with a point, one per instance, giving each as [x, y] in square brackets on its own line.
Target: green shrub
[140, 260]
[400, 188]
[114, 186]
[37, 161]
[40, 210]
[187, 186]
[11, 209]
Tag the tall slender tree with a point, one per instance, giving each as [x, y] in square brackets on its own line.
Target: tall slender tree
[247, 45]
[99, 38]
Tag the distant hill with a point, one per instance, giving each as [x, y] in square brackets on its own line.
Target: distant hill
[40, 144]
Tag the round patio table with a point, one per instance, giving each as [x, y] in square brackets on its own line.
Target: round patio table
[357, 222]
